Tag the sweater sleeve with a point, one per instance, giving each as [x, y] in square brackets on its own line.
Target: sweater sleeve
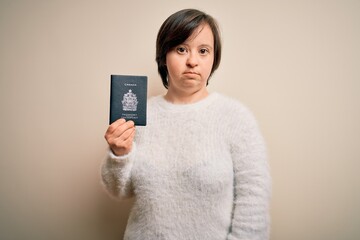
[252, 181]
[116, 174]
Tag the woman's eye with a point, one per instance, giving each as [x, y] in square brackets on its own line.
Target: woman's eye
[181, 50]
[204, 51]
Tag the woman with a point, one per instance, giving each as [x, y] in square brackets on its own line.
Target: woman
[198, 170]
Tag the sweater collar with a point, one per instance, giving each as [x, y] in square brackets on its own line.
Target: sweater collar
[163, 103]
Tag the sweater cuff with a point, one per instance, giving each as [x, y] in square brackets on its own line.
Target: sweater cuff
[122, 158]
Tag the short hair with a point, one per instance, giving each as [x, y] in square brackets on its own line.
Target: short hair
[176, 29]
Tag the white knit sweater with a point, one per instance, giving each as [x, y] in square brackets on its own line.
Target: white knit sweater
[197, 171]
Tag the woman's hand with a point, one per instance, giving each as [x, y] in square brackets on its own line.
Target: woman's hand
[120, 135]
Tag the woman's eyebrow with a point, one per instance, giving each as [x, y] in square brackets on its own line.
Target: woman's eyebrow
[206, 45]
[200, 45]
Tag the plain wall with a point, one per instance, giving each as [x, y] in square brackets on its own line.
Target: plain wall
[295, 64]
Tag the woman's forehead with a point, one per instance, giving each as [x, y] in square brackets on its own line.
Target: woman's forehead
[202, 34]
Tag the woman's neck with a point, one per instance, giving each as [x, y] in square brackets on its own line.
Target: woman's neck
[185, 97]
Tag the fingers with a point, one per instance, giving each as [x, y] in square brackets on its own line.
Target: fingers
[124, 130]
[124, 145]
[117, 128]
[125, 135]
[114, 126]
[120, 136]
[121, 141]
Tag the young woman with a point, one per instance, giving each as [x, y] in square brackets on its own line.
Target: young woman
[198, 170]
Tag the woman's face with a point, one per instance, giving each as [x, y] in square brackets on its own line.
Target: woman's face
[189, 64]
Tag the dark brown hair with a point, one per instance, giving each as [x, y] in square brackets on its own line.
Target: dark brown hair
[176, 29]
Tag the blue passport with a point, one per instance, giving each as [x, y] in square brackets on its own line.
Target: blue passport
[128, 96]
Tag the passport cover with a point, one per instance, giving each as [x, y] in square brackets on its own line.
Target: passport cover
[128, 95]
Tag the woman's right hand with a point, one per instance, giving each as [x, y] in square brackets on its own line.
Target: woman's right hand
[120, 135]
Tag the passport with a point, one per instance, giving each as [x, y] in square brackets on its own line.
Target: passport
[128, 97]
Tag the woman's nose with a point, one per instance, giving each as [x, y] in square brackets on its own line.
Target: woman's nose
[192, 60]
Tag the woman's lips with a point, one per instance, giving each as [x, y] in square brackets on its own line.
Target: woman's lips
[191, 73]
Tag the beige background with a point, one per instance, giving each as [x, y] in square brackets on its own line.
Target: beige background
[294, 63]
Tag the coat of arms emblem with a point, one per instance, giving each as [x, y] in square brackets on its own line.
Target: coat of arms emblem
[129, 101]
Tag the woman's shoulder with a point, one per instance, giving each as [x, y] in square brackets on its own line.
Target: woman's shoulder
[231, 105]
[234, 111]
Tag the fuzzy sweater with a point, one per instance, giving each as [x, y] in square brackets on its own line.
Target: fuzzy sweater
[198, 172]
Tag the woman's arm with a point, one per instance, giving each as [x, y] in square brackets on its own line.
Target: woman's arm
[116, 174]
[252, 182]
[116, 170]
